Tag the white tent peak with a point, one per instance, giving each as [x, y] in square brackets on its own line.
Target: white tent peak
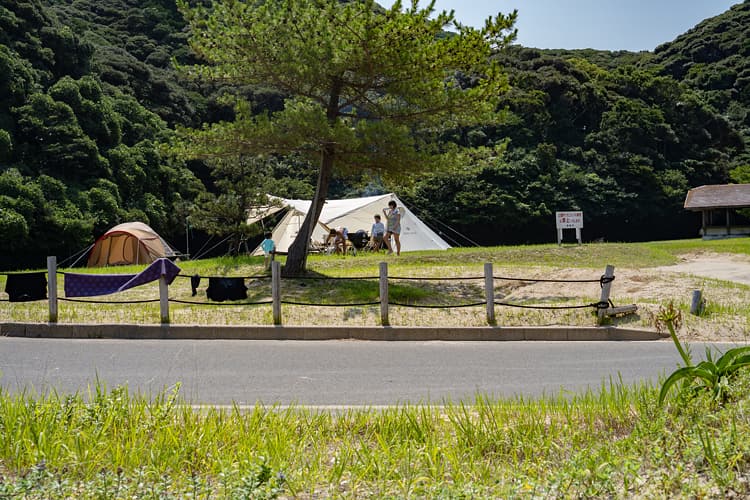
[354, 214]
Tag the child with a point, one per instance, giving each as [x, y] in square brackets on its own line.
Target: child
[377, 232]
[269, 249]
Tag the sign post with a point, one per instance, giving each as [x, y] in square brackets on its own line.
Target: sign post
[569, 220]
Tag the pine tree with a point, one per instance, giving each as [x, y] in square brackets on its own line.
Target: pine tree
[367, 88]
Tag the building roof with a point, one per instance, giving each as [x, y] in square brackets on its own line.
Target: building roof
[718, 196]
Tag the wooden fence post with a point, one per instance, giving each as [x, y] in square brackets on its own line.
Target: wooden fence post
[52, 288]
[696, 305]
[384, 294]
[609, 274]
[164, 299]
[489, 293]
[276, 291]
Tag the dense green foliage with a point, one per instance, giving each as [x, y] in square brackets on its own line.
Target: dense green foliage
[88, 92]
[624, 145]
[77, 154]
[714, 59]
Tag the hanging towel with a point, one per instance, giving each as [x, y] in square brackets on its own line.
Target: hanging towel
[221, 289]
[89, 285]
[195, 281]
[26, 287]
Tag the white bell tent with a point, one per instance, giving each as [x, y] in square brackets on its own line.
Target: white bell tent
[353, 214]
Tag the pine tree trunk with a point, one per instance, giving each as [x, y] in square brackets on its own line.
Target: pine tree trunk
[296, 259]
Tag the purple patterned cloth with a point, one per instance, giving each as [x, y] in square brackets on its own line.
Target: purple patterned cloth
[89, 285]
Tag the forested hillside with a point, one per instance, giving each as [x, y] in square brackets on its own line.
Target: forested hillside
[88, 92]
[714, 59]
[77, 153]
[624, 145]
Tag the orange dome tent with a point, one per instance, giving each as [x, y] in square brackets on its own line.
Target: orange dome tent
[129, 243]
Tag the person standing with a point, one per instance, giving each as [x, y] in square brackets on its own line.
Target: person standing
[393, 227]
[269, 250]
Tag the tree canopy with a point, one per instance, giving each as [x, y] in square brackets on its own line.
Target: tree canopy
[366, 88]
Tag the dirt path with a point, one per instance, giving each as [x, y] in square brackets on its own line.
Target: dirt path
[728, 267]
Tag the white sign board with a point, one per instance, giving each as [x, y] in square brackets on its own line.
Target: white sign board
[569, 220]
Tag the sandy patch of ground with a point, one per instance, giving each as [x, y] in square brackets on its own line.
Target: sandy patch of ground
[729, 267]
[723, 279]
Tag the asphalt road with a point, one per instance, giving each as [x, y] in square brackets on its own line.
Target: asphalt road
[329, 373]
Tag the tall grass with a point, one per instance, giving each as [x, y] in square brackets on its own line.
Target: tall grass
[611, 442]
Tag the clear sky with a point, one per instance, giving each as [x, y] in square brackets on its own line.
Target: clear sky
[597, 24]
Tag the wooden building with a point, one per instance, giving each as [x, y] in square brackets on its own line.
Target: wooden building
[720, 206]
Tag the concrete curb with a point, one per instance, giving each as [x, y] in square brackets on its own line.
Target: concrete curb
[379, 333]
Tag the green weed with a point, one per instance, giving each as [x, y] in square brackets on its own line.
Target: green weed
[714, 376]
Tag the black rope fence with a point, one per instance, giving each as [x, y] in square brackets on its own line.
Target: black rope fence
[600, 305]
[431, 278]
[331, 278]
[595, 305]
[351, 304]
[196, 303]
[602, 281]
[89, 301]
[252, 277]
[428, 306]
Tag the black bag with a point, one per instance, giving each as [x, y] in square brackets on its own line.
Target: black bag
[221, 289]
